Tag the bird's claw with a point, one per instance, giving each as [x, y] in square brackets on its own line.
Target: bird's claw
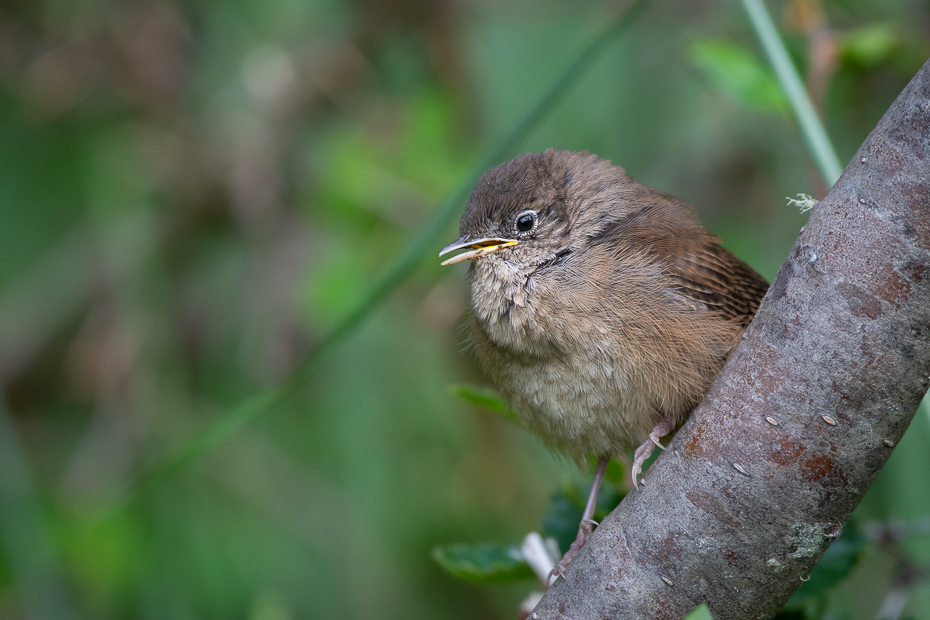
[584, 530]
[639, 457]
[557, 571]
[665, 426]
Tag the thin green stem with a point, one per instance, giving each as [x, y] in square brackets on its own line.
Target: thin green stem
[814, 133]
[400, 269]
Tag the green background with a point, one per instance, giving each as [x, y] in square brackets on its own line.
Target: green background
[192, 194]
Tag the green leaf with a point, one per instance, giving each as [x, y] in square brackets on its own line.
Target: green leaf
[485, 398]
[869, 45]
[833, 567]
[562, 519]
[483, 563]
[740, 74]
[701, 612]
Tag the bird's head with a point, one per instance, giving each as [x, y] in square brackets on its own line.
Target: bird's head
[537, 207]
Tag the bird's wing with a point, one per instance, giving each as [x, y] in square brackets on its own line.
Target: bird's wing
[715, 277]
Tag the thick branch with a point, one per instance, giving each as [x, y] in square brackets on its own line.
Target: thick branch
[761, 479]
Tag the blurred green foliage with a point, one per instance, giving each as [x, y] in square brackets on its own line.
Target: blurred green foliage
[737, 71]
[836, 564]
[700, 613]
[193, 193]
[487, 562]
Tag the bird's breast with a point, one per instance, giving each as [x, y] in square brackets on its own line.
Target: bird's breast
[506, 308]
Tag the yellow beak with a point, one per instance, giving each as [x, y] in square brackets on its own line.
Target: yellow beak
[480, 247]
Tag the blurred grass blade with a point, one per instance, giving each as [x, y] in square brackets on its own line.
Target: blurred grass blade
[814, 133]
[425, 242]
[25, 540]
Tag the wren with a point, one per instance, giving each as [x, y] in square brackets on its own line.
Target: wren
[601, 309]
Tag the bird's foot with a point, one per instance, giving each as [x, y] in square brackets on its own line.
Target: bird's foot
[587, 521]
[665, 426]
[584, 530]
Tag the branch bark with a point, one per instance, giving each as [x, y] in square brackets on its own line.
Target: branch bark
[764, 474]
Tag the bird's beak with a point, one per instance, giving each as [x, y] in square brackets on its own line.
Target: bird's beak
[480, 247]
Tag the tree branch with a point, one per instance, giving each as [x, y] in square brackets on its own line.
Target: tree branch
[764, 474]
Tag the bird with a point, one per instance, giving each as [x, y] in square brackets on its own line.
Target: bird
[601, 308]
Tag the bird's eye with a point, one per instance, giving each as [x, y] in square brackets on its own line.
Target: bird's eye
[526, 221]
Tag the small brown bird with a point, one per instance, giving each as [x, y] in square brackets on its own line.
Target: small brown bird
[601, 308]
